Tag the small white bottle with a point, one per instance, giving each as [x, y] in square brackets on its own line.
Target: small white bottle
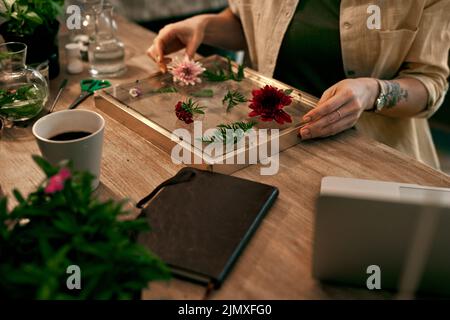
[74, 63]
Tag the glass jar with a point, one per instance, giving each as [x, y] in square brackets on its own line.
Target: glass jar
[23, 90]
[106, 52]
[86, 31]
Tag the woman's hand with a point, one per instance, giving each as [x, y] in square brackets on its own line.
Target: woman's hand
[187, 34]
[222, 30]
[340, 108]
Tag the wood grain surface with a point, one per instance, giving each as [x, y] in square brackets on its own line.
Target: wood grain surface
[277, 262]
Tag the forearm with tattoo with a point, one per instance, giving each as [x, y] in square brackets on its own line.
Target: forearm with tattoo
[403, 97]
[394, 94]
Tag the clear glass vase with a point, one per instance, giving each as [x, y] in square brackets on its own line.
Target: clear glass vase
[87, 25]
[23, 90]
[86, 30]
[106, 52]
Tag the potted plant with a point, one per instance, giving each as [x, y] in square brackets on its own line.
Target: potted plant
[35, 24]
[62, 225]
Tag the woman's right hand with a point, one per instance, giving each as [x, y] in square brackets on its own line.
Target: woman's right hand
[187, 34]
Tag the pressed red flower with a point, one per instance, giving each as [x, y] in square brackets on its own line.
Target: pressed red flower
[182, 114]
[185, 111]
[56, 183]
[268, 103]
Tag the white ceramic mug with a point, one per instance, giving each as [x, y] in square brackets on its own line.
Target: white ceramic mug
[85, 153]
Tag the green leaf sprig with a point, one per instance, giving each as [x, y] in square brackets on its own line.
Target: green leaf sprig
[165, 90]
[192, 107]
[232, 99]
[206, 93]
[215, 76]
[221, 75]
[288, 92]
[230, 133]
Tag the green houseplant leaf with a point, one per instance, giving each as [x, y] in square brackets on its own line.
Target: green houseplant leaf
[50, 230]
[21, 17]
[45, 166]
[32, 16]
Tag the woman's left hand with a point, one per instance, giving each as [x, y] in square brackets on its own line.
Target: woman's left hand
[340, 108]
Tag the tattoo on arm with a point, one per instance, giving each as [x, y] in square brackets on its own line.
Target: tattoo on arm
[395, 94]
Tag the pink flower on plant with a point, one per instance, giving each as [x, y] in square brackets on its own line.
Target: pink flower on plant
[187, 72]
[56, 183]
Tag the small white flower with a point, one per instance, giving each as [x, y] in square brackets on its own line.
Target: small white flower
[135, 92]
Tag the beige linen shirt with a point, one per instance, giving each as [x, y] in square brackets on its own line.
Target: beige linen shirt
[413, 41]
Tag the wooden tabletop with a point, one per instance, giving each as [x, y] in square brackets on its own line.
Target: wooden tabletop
[277, 262]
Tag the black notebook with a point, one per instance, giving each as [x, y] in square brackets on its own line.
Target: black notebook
[201, 222]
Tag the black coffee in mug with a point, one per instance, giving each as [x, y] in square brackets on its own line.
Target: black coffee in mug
[55, 134]
[73, 135]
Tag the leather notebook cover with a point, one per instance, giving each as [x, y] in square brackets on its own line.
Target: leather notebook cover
[201, 225]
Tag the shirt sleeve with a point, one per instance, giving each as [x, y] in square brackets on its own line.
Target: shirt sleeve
[427, 60]
[234, 7]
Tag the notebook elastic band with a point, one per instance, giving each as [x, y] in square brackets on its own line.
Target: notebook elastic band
[182, 177]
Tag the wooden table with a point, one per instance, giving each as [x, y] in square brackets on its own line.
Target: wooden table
[277, 262]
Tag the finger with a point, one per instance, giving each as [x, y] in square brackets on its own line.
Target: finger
[167, 60]
[151, 52]
[335, 116]
[192, 46]
[327, 94]
[330, 130]
[316, 129]
[328, 106]
[163, 65]
[159, 50]
[338, 127]
[158, 44]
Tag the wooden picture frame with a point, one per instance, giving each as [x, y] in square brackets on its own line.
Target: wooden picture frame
[152, 115]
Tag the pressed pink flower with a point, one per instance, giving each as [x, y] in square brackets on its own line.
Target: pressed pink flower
[56, 183]
[187, 72]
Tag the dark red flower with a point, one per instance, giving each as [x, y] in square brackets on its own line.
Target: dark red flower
[268, 103]
[185, 110]
[182, 114]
